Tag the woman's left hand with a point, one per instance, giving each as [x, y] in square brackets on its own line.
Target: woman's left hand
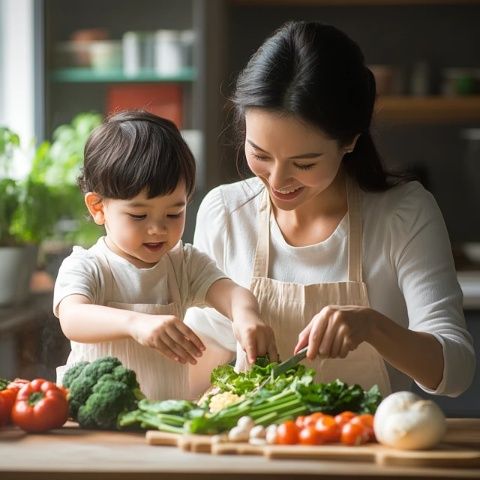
[335, 331]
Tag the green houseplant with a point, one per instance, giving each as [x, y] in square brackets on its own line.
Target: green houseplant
[28, 209]
[44, 205]
[64, 158]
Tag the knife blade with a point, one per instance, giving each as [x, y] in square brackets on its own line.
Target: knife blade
[284, 366]
[289, 363]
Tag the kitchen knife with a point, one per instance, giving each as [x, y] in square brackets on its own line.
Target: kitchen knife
[284, 366]
[289, 363]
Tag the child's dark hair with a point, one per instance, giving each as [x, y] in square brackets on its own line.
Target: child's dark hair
[136, 150]
[317, 73]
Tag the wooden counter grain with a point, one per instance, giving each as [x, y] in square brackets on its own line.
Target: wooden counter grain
[73, 454]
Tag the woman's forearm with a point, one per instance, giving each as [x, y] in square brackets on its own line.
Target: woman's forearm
[87, 323]
[417, 354]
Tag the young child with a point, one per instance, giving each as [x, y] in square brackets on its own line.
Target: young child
[126, 296]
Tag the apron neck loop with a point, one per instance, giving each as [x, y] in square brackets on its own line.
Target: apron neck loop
[355, 237]
[261, 261]
[260, 264]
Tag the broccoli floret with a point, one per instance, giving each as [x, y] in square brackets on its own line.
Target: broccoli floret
[110, 397]
[72, 373]
[99, 391]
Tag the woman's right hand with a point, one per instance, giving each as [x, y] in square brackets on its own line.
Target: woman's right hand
[167, 334]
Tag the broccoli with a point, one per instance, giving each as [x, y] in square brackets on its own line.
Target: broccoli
[99, 391]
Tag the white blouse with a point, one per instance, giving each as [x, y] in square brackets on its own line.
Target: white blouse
[407, 266]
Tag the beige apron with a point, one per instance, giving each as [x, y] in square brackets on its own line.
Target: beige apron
[159, 377]
[289, 307]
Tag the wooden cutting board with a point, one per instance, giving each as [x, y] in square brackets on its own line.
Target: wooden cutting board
[460, 448]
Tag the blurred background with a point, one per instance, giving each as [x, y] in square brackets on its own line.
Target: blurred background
[64, 65]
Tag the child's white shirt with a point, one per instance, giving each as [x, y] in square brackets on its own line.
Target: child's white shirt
[182, 278]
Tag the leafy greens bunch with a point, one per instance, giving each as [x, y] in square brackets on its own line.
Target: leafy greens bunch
[282, 398]
[228, 380]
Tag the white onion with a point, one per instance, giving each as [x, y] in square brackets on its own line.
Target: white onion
[405, 421]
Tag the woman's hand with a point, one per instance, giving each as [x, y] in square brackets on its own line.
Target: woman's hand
[167, 334]
[254, 336]
[335, 331]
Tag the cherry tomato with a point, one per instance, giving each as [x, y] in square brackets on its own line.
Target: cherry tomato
[328, 428]
[299, 422]
[312, 419]
[342, 418]
[310, 436]
[354, 434]
[40, 406]
[366, 420]
[287, 433]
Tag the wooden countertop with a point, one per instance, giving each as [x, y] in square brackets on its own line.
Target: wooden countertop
[70, 453]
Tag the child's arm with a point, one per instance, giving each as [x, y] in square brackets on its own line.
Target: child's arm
[84, 322]
[241, 306]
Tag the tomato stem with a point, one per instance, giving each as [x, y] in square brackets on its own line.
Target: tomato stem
[35, 397]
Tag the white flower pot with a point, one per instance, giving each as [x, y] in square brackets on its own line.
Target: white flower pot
[17, 265]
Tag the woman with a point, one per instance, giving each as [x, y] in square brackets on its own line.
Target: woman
[342, 257]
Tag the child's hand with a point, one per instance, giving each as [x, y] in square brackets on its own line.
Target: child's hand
[255, 337]
[168, 335]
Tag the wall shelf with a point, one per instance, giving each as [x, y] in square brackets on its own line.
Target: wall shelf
[434, 109]
[88, 75]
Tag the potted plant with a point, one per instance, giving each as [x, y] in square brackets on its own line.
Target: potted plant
[64, 157]
[45, 207]
[28, 209]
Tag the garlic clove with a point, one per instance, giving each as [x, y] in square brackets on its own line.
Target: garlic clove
[238, 434]
[246, 423]
[258, 431]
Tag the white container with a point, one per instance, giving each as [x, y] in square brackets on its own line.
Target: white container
[138, 52]
[168, 52]
[187, 40]
[106, 55]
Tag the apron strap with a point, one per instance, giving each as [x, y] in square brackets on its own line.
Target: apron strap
[261, 261]
[260, 264]
[355, 253]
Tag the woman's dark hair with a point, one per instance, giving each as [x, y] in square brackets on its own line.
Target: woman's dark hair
[136, 150]
[317, 73]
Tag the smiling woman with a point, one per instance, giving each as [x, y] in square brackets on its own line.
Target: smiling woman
[343, 257]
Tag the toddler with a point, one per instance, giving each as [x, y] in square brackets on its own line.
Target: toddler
[126, 296]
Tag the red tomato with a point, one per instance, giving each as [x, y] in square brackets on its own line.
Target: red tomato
[40, 406]
[287, 433]
[328, 428]
[7, 399]
[310, 436]
[342, 418]
[312, 419]
[366, 420]
[354, 434]
[300, 421]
